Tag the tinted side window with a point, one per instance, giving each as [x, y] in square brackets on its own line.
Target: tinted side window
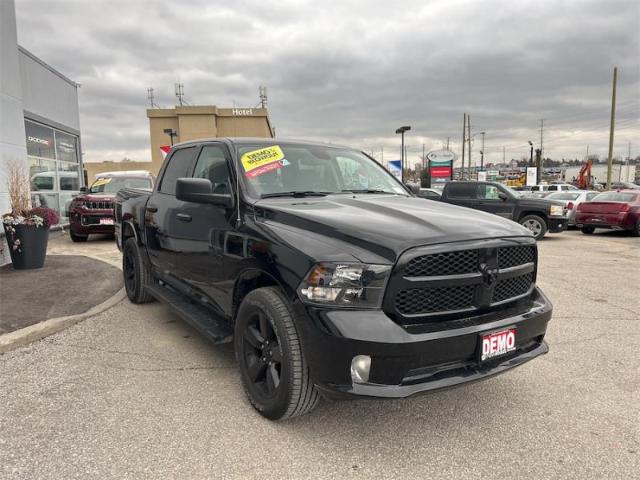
[212, 165]
[461, 190]
[553, 188]
[180, 163]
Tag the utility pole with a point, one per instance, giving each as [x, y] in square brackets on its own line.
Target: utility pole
[503, 155]
[464, 140]
[423, 157]
[469, 140]
[447, 143]
[482, 153]
[628, 160]
[587, 157]
[541, 136]
[612, 127]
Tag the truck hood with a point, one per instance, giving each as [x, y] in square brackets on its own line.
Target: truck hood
[539, 203]
[384, 225]
[96, 197]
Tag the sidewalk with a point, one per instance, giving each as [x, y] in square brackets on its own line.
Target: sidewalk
[66, 285]
[77, 280]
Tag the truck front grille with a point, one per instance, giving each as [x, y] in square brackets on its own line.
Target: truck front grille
[99, 205]
[445, 282]
[429, 300]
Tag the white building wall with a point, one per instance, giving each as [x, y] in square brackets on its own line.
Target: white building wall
[12, 135]
[48, 93]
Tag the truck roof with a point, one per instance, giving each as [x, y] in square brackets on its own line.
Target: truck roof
[239, 141]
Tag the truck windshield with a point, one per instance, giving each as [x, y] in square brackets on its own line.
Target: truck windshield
[113, 184]
[308, 169]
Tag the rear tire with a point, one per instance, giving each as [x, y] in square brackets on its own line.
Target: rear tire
[588, 230]
[77, 238]
[535, 224]
[136, 273]
[274, 372]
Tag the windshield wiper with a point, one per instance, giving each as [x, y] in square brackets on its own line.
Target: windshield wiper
[295, 194]
[369, 190]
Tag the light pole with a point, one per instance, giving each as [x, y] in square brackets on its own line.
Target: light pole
[401, 131]
[531, 154]
[171, 132]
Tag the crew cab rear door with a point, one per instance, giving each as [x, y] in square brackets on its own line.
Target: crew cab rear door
[461, 193]
[164, 226]
[206, 229]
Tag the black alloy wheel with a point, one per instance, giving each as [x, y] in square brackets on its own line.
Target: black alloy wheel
[136, 274]
[129, 269]
[262, 355]
[274, 372]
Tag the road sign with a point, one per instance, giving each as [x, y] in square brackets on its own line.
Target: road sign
[444, 156]
[395, 167]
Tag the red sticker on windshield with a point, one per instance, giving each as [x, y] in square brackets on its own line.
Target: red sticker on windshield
[265, 169]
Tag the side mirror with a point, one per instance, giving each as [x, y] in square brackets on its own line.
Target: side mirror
[502, 196]
[84, 189]
[199, 190]
[413, 188]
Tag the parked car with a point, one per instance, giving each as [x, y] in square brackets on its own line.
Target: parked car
[328, 275]
[618, 210]
[538, 215]
[430, 193]
[624, 186]
[91, 211]
[556, 187]
[571, 201]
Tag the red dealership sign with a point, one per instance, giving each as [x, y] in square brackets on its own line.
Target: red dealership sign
[440, 172]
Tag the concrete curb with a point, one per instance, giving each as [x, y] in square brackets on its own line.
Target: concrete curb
[24, 336]
[32, 333]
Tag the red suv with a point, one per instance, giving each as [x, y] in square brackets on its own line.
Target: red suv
[618, 210]
[92, 210]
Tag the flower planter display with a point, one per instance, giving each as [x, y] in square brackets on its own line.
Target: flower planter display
[27, 245]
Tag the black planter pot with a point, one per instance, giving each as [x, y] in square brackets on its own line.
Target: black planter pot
[27, 245]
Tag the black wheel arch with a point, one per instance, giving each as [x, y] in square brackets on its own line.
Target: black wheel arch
[252, 279]
[537, 213]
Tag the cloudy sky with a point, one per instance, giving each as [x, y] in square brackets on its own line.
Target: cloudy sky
[352, 72]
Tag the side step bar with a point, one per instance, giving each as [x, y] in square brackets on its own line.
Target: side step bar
[204, 320]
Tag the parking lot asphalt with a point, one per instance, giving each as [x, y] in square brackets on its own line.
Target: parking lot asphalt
[135, 393]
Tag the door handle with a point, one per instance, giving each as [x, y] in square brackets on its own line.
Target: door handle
[184, 217]
[152, 208]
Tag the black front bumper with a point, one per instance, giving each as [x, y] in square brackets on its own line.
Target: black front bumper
[557, 224]
[405, 363]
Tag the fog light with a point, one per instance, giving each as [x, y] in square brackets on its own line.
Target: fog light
[360, 366]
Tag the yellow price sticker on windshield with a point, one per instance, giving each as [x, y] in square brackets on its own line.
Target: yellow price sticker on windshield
[263, 160]
[100, 182]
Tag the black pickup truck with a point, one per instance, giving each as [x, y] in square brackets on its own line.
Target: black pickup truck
[537, 214]
[328, 275]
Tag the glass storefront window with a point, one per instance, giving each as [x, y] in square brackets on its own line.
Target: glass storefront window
[65, 201]
[42, 174]
[39, 140]
[45, 200]
[68, 176]
[66, 147]
[54, 169]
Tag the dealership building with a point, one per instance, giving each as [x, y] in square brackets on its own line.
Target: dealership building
[39, 122]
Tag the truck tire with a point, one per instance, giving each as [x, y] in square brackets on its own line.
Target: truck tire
[77, 238]
[537, 225]
[588, 230]
[136, 274]
[274, 373]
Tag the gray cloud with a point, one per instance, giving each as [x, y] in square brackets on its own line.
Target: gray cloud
[351, 72]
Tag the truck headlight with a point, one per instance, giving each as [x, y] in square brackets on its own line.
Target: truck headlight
[556, 210]
[345, 284]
